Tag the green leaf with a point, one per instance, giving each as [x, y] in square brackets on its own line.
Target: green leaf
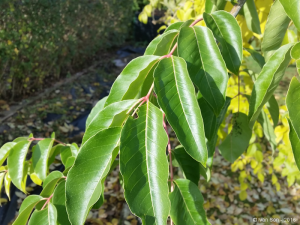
[268, 129]
[227, 31]
[26, 208]
[113, 115]
[251, 17]
[46, 216]
[7, 182]
[187, 204]
[1, 180]
[214, 5]
[163, 44]
[52, 180]
[272, 106]
[292, 9]
[211, 143]
[293, 106]
[207, 69]
[144, 165]
[189, 166]
[53, 175]
[95, 110]
[295, 143]
[40, 157]
[59, 201]
[276, 27]
[16, 164]
[176, 97]
[130, 81]
[295, 52]
[65, 153]
[83, 187]
[4, 151]
[257, 57]
[209, 118]
[268, 80]
[238, 140]
[173, 26]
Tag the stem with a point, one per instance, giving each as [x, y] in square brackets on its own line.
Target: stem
[196, 21]
[48, 200]
[236, 9]
[142, 100]
[40, 139]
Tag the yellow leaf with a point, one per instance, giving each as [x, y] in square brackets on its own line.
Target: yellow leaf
[9, 42]
[187, 5]
[271, 209]
[206, 205]
[180, 14]
[35, 179]
[243, 195]
[148, 10]
[261, 177]
[274, 179]
[143, 17]
[291, 180]
[244, 186]
[253, 163]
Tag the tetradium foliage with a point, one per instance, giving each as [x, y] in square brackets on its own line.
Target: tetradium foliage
[191, 78]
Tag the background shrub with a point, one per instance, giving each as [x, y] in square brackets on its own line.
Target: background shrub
[47, 38]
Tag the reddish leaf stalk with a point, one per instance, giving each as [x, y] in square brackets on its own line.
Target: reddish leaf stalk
[142, 100]
[46, 203]
[40, 139]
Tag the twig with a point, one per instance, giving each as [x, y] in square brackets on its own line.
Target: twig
[236, 9]
[40, 139]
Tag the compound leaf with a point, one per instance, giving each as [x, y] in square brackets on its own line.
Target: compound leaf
[207, 69]
[144, 165]
[227, 31]
[176, 97]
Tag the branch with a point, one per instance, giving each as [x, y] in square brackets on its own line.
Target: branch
[40, 139]
[236, 9]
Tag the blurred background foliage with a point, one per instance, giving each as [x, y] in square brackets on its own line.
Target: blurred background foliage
[55, 38]
[269, 154]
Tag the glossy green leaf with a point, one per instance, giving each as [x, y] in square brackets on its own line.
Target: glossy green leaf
[187, 204]
[83, 187]
[238, 140]
[26, 208]
[251, 17]
[207, 69]
[65, 153]
[273, 107]
[209, 118]
[295, 52]
[292, 103]
[176, 97]
[214, 5]
[258, 58]
[189, 166]
[228, 33]
[7, 182]
[40, 157]
[113, 115]
[276, 27]
[53, 175]
[268, 80]
[95, 110]
[16, 164]
[4, 151]
[59, 201]
[268, 129]
[163, 44]
[295, 143]
[144, 165]
[130, 81]
[174, 26]
[47, 216]
[292, 9]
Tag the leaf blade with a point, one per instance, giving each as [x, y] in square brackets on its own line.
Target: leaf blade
[169, 73]
[292, 9]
